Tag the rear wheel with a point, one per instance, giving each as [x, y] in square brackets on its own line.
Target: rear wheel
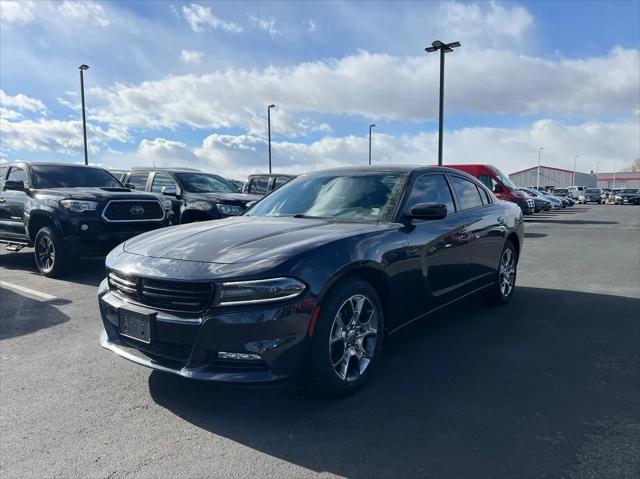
[50, 252]
[502, 289]
[347, 340]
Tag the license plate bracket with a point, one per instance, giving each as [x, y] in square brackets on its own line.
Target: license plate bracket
[135, 325]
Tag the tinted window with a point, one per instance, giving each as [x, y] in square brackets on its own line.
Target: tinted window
[351, 197]
[467, 193]
[63, 176]
[204, 183]
[484, 195]
[160, 180]
[17, 174]
[489, 183]
[431, 189]
[139, 180]
[279, 181]
[3, 170]
[258, 185]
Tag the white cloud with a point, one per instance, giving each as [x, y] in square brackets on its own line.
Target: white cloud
[61, 136]
[22, 102]
[9, 114]
[379, 86]
[310, 25]
[16, 12]
[611, 144]
[200, 18]
[266, 24]
[189, 56]
[84, 11]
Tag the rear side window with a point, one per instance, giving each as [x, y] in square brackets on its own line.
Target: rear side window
[431, 189]
[3, 171]
[139, 180]
[160, 180]
[484, 196]
[467, 193]
[17, 174]
[258, 185]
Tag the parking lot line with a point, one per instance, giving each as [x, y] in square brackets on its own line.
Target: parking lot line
[32, 292]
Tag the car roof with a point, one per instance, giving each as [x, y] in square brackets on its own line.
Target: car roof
[389, 168]
[271, 175]
[51, 163]
[170, 170]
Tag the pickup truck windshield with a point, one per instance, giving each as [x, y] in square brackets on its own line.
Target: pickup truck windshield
[72, 176]
[204, 183]
[349, 197]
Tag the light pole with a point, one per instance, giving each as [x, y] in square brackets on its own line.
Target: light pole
[82, 68]
[538, 180]
[269, 132]
[575, 161]
[370, 126]
[444, 48]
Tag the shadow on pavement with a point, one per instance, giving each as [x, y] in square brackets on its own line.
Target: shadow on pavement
[89, 271]
[574, 222]
[535, 235]
[20, 315]
[522, 390]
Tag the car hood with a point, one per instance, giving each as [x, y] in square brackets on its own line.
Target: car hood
[243, 239]
[96, 193]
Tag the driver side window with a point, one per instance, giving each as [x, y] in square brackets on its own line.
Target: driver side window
[160, 180]
[490, 183]
[431, 189]
[17, 174]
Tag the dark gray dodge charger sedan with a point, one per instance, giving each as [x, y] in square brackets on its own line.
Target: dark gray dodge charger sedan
[307, 283]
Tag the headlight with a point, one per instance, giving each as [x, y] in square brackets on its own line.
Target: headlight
[259, 291]
[230, 210]
[79, 206]
[166, 204]
[520, 194]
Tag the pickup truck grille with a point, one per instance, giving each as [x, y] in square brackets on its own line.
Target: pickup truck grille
[166, 295]
[133, 210]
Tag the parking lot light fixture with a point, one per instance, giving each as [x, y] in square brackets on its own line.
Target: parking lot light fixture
[538, 175]
[370, 126]
[444, 48]
[269, 132]
[575, 161]
[83, 68]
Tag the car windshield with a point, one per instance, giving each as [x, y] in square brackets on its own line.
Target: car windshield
[504, 179]
[368, 197]
[206, 183]
[593, 191]
[629, 190]
[72, 176]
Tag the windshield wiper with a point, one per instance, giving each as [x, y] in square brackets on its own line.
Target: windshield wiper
[311, 217]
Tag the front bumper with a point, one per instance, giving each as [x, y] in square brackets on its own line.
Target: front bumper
[188, 345]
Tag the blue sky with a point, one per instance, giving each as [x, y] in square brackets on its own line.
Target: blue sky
[188, 82]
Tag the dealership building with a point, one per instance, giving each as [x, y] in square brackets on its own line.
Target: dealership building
[552, 177]
[619, 180]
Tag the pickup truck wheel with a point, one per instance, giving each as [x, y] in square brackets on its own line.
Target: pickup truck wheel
[50, 252]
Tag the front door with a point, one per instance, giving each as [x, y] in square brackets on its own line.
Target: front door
[12, 205]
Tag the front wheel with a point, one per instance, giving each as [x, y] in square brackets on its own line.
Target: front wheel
[501, 291]
[50, 252]
[347, 339]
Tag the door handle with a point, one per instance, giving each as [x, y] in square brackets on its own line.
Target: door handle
[2, 200]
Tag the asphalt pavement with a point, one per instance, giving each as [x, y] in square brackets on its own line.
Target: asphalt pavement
[548, 386]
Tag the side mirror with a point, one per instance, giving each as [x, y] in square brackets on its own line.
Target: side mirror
[497, 189]
[428, 211]
[169, 190]
[14, 185]
[131, 186]
[250, 204]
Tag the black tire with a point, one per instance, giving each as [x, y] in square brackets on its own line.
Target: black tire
[50, 252]
[327, 357]
[495, 293]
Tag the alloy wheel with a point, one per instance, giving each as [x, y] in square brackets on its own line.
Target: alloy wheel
[45, 253]
[353, 338]
[507, 272]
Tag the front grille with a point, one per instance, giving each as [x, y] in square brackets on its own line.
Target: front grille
[177, 296]
[133, 210]
[162, 349]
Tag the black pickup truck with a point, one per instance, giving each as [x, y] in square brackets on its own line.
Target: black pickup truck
[65, 211]
[195, 195]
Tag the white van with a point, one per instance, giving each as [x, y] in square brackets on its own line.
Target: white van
[576, 191]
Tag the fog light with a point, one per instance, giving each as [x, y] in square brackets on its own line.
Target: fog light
[84, 227]
[110, 313]
[239, 356]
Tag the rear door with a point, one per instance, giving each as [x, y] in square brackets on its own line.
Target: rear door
[137, 179]
[12, 220]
